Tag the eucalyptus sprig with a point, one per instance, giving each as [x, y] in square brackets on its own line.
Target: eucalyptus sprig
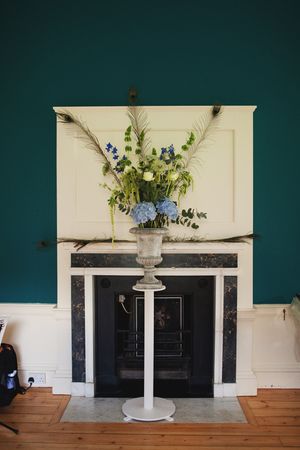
[189, 218]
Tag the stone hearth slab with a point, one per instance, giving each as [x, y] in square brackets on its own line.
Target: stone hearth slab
[188, 410]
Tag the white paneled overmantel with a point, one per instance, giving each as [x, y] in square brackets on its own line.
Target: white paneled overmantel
[223, 183]
[223, 189]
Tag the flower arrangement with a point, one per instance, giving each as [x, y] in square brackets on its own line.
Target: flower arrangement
[148, 183]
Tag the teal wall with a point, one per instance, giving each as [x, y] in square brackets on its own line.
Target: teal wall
[176, 53]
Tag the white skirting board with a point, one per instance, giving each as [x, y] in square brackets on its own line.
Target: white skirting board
[41, 336]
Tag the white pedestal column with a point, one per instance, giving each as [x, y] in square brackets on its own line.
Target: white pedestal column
[148, 349]
[148, 408]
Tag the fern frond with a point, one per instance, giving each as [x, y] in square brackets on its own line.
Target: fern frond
[204, 131]
[139, 122]
[89, 138]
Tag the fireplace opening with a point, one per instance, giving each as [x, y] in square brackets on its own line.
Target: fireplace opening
[183, 335]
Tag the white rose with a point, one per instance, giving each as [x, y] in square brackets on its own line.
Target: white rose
[173, 176]
[148, 176]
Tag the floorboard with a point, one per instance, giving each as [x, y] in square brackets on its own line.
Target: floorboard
[273, 423]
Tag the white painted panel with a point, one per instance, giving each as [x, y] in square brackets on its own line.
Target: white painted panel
[214, 181]
[276, 347]
[223, 182]
[32, 332]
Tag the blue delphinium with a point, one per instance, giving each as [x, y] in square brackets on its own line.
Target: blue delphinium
[167, 207]
[163, 151]
[167, 153]
[115, 153]
[171, 151]
[142, 212]
[109, 147]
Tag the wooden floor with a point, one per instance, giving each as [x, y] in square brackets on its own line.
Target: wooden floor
[273, 422]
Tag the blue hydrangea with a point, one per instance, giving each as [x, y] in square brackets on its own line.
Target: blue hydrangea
[167, 207]
[142, 212]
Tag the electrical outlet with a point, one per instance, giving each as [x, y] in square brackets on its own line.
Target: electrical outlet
[39, 378]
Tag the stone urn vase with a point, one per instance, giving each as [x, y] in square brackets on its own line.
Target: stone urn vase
[149, 242]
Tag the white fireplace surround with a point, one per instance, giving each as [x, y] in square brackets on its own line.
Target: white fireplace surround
[223, 189]
[245, 379]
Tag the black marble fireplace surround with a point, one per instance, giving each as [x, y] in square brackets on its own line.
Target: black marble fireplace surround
[177, 260]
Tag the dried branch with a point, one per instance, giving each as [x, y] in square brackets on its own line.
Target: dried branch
[80, 243]
[233, 239]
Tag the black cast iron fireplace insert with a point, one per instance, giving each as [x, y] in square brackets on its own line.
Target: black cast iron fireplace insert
[184, 337]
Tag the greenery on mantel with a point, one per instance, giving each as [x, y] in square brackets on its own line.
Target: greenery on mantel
[81, 243]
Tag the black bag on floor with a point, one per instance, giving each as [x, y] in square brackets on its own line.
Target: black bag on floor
[9, 380]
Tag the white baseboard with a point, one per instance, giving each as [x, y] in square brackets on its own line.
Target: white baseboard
[278, 380]
[278, 375]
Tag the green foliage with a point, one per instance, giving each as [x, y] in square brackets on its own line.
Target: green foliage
[189, 142]
[189, 218]
[127, 137]
[105, 168]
